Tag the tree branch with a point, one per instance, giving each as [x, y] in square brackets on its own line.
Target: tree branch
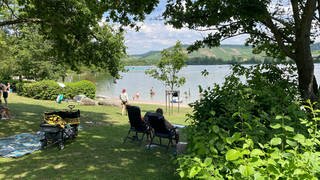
[287, 25]
[278, 36]
[233, 35]
[10, 9]
[295, 9]
[307, 16]
[20, 21]
[318, 10]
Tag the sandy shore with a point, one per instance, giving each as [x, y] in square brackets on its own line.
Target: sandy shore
[117, 101]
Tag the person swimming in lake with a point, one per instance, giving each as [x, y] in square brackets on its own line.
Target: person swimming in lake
[137, 96]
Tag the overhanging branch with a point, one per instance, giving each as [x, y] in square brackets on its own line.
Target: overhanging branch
[20, 21]
[10, 9]
[278, 36]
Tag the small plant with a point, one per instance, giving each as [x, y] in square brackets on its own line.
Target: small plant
[168, 67]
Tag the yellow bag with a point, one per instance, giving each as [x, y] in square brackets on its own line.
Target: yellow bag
[55, 120]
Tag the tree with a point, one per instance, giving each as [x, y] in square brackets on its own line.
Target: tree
[167, 69]
[69, 24]
[280, 28]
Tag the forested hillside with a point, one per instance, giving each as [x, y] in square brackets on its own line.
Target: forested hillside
[225, 54]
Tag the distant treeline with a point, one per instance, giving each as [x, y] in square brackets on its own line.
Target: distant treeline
[212, 61]
[233, 60]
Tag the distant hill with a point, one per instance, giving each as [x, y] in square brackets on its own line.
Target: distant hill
[223, 54]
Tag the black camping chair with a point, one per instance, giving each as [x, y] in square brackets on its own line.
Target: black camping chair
[157, 123]
[136, 124]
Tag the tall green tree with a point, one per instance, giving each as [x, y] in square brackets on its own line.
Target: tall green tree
[167, 69]
[70, 24]
[280, 28]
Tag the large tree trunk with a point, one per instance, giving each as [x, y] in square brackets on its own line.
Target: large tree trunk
[307, 81]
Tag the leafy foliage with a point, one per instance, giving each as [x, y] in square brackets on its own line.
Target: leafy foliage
[72, 30]
[49, 89]
[81, 87]
[168, 67]
[279, 28]
[252, 127]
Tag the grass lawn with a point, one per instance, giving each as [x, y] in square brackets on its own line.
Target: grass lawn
[98, 151]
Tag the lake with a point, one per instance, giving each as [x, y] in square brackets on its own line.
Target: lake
[135, 81]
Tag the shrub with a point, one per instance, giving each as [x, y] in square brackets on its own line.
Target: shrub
[81, 87]
[49, 89]
[252, 127]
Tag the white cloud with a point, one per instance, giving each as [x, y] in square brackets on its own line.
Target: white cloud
[154, 35]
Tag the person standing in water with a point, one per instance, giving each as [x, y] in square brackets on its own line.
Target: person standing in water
[152, 93]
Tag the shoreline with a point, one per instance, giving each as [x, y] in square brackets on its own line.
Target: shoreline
[117, 101]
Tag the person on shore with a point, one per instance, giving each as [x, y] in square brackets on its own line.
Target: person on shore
[124, 100]
[4, 91]
[5, 94]
[8, 87]
[152, 93]
[169, 125]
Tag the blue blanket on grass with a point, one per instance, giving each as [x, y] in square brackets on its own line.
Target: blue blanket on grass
[20, 144]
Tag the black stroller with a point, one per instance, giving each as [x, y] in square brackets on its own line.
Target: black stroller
[58, 126]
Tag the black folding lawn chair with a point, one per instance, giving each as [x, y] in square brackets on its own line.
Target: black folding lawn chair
[136, 124]
[157, 123]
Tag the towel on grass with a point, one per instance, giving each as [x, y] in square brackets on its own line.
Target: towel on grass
[20, 144]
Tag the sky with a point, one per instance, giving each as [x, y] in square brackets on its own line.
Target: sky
[155, 36]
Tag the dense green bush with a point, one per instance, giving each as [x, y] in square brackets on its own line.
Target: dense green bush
[252, 127]
[49, 89]
[81, 87]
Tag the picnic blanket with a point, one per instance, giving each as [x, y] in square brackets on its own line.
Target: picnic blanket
[20, 144]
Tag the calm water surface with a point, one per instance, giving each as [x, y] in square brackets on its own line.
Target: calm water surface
[135, 81]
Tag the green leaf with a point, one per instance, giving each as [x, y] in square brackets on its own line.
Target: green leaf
[257, 152]
[258, 176]
[229, 140]
[194, 171]
[316, 118]
[215, 129]
[291, 143]
[275, 126]
[299, 171]
[207, 161]
[272, 169]
[181, 174]
[279, 117]
[246, 171]
[288, 128]
[236, 136]
[233, 155]
[245, 152]
[275, 141]
[309, 142]
[299, 138]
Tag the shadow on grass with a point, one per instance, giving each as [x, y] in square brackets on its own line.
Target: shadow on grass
[98, 151]
[27, 118]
